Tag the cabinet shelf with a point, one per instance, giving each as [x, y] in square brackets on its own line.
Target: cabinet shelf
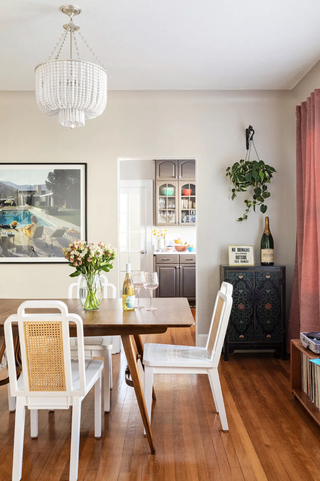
[297, 350]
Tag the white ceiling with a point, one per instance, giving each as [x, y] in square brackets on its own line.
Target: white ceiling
[169, 44]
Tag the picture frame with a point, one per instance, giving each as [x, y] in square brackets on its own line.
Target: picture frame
[241, 256]
[43, 208]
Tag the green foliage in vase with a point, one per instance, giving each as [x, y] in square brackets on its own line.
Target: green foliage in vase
[256, 174]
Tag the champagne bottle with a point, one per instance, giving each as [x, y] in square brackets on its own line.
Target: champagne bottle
[128, 296]
[267, 246]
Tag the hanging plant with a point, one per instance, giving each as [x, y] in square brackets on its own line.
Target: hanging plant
[251, 173]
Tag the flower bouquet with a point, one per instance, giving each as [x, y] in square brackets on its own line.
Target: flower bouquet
[89, 260]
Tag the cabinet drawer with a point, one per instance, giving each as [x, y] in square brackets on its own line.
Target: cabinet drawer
[167, 258]
[187, 259]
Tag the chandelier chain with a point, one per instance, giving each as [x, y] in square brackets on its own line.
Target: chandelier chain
[91, 51]
[62, 44]
[56, 46]
[76, 44]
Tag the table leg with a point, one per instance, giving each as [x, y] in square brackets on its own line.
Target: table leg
[131, 360]
[139, 344]
[17, 353]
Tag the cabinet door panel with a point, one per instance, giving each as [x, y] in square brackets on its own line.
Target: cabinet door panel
[188, 281]
[241, 325]
[187, 170]
[168, 281]
[166, 169]
[268, 306]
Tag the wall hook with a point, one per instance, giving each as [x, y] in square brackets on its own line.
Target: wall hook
[249, 131]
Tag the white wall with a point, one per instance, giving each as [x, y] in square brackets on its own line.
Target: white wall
[308, 84]
[207, 126]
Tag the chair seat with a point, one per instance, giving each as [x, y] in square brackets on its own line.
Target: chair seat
[175, 356]
[94, 342]
[92, 369]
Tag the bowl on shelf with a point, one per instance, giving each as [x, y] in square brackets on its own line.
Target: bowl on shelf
[167, 190]
[186, 191]
[169, 249]
[191, 249]
[180, 248]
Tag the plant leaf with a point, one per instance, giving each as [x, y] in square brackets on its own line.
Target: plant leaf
[263, 208]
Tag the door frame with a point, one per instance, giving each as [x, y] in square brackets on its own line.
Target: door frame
[148, 186]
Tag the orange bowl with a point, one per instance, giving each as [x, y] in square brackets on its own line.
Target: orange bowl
[186, 191]
[180, 248]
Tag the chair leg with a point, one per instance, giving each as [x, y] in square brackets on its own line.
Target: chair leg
[75, 439]
[110, 368]
[215, 384]
[148, 383]
[18, 439]
[213, 395]
[106, 380]
[34, 423]
[97, 408]
[11, 401]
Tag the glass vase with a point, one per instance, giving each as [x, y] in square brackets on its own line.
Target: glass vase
[90, 292]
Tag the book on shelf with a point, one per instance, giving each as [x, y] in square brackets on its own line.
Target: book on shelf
[310, 378]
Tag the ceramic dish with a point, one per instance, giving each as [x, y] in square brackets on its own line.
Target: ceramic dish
[191, 249]
[180, 248]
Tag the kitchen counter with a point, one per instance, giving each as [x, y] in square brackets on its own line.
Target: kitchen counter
[174, 252]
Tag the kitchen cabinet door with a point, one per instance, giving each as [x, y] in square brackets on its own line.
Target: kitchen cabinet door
[166, 206]
[169, 277]
[166, 169]
[188, 282]
[187, 170]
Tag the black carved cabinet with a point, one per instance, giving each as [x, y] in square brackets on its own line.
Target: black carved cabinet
[258, 319]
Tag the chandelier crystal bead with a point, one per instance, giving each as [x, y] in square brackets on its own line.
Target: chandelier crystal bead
[72, 90]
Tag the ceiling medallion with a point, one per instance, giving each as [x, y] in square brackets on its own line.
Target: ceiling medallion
[72, 90]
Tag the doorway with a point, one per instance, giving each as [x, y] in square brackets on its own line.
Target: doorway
[135, 226]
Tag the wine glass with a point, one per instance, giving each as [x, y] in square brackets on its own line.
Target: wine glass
[138, 281]
[151, 282]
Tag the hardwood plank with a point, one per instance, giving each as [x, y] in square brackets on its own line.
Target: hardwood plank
[271, 436]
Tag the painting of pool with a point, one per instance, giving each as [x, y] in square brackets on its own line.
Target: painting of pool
[23, 217]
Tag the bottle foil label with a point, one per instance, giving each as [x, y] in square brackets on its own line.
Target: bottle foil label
[267, 255]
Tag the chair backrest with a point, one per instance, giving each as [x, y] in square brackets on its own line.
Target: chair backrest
[73, 289]
[37, 233]
[219, 322]
[58, 233]
[45, 351]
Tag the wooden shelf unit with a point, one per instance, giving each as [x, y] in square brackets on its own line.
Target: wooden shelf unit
[295, 377]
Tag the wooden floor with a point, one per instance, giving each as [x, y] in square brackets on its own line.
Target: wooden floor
[271, 437]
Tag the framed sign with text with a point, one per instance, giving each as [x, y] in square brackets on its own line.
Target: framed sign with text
[241, 256]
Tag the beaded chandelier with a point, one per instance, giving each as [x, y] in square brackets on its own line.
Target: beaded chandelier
[72, 90]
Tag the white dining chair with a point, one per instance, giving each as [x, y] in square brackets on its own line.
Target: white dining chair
[170, 359]
[49, 378]
[97, 346]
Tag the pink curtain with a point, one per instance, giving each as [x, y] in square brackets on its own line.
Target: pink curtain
[305, 308]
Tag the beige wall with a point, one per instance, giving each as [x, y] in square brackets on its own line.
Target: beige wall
[207, 126]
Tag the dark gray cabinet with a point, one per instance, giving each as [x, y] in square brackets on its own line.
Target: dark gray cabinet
[177, 276]
[188, 282]
[168, 280]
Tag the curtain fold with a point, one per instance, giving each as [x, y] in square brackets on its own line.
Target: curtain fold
[305, 306]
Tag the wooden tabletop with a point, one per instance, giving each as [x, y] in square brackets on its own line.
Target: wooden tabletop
[110, 319]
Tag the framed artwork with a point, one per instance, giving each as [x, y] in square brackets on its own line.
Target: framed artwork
[43, 207]
[241, 256]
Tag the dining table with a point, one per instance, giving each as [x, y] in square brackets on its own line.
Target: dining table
[111, 320]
